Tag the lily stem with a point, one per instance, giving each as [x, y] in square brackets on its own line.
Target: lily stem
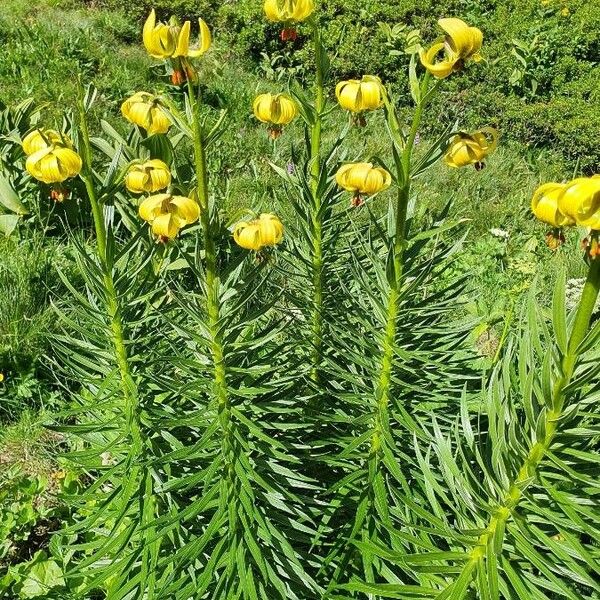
[383, 389]
[112, 300]
[213, 309]
[128, 386]
[317, 213]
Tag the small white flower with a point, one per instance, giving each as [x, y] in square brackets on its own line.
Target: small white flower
[499, 233]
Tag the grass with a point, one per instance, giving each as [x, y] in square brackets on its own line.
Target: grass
[28, 445]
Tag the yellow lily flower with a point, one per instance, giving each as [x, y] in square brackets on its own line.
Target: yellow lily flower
[278, 109]
[544, 205]
[360, 95]
[168, 214]
[579, 200]
[151, 176]
[145, 110]
[53, 164]
[471, 148]
[275, 109]
[362, 178]
[288, 10]
[462, 42]
[40, 139]
[163, 40]
[267, 230]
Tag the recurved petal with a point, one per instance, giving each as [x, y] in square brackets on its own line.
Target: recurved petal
[69, 162]
[149, 29]
[160, 178]
[442, 68]
[342, 177]
[462, 39]
[544, 205]
[136, 181]
[204, 40]
[488, 138]
[186, 210]
[157, 121]
[261, 107]
[271, 10]
[283, 109]
[247, 235]
[580, 200]
[271, 229]
[165, 226]
[39, 139]
[348, 94]
[183, 40]
[371, 92]
[152, 206]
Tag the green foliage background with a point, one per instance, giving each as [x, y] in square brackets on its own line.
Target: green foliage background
[539, 98]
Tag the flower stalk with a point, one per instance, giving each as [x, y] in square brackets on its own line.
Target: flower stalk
[147, 505]
[213, 307]
[113, 308]
[317, 213]
[403, 167]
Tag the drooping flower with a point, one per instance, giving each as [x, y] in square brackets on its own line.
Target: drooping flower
[275, 109]
[362, 178]
[461, 43]
[163, 40]
[360, 95]
[471, 148]
[39, 139]
[579, 200]
[53, 164]
[168, 214]
[544, 205]
[150, 176]
[288, 10]
[267, 230]
[146, 110]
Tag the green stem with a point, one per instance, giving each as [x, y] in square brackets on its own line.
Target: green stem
[538, 451]
[317, 215]
[128, 387]
[213, 309]
[383, 389]
[112, 301]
